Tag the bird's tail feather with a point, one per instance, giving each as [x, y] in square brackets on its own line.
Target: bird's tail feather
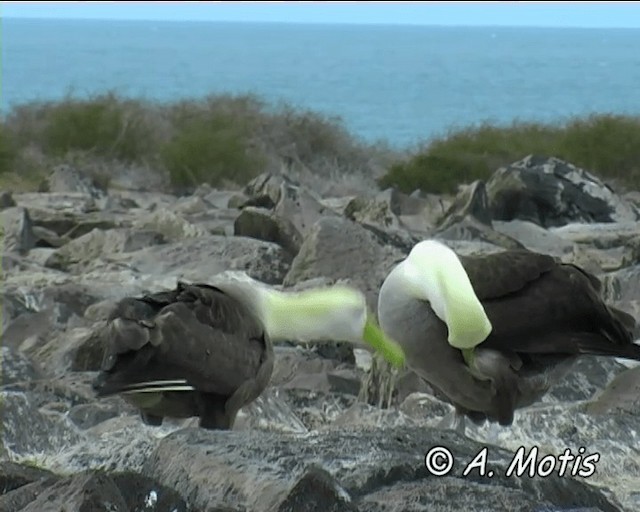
[598, 346]
[158, 386]
[617, 325]
[105, 388]
[627, 320]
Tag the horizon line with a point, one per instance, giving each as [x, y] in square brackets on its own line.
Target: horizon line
[319, 23]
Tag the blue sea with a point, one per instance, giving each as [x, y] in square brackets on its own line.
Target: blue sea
[402, 84]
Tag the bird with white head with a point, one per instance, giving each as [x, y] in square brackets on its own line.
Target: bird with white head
[494, 332]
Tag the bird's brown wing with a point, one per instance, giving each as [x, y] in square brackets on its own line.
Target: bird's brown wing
[539, 305]
[500, 274]
[195, 336]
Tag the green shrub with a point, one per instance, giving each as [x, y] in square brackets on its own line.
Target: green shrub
[8, 151]
[310, 133]
[312, 140]
[104, 125]
[210, 139]
[434, 173]
[209, 148]
[606, 145]
[17, 170]
[232, 138]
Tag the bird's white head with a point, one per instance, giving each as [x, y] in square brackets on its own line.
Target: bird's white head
[433, 272]
[332, 313]
[337, 313]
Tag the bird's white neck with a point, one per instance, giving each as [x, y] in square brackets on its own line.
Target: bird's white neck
[334, 313]
[438, 277]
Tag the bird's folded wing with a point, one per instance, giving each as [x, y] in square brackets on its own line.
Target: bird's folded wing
[213, 359]
[559, 313]
[203, 339]
[500, 274]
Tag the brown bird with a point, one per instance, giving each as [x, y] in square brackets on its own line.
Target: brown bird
[493, 333]
[206, 350]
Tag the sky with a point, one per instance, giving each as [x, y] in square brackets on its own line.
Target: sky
[545, 14]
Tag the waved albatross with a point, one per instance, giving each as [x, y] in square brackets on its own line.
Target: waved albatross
[206, 350]
[494, 332]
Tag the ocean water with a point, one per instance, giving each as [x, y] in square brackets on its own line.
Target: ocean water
[403, 84]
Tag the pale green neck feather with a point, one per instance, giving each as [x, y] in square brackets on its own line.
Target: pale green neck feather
[337, 313]
[466, 318]
[334, 313]
[437, 275]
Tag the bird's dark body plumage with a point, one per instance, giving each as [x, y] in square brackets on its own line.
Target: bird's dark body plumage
[559, 307]
[544, 314]
[191, 351]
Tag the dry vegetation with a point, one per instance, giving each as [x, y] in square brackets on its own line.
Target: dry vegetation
[218, 140]
[606, 145]
[222, 140]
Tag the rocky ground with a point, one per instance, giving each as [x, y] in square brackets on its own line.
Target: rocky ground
[331, 433]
